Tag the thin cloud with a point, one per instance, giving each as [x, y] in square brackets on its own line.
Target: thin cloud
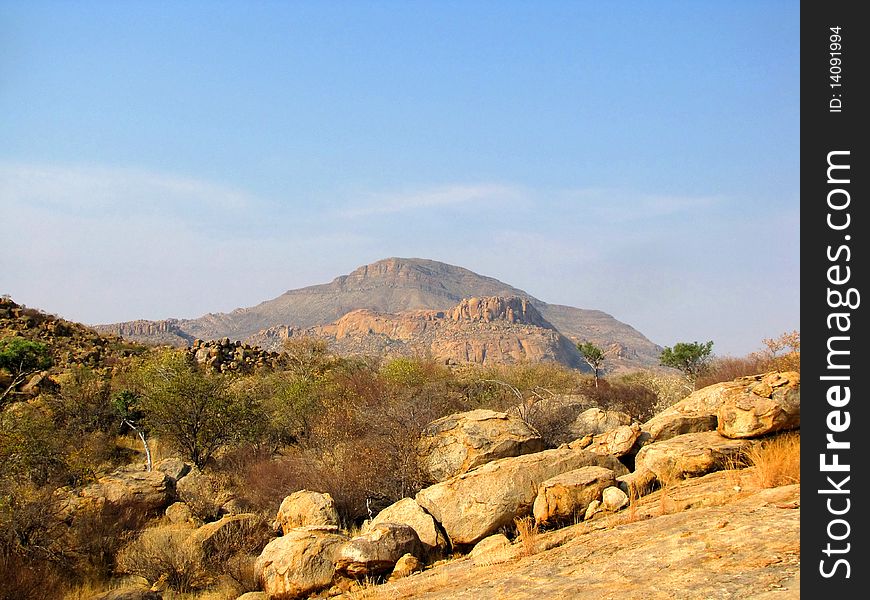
[450, 195]
[84, 189]
[615, 205]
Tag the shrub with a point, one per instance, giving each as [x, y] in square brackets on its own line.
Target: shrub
[633, 398]
[163, 553]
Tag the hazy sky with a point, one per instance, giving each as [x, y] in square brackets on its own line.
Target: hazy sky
[166, 159]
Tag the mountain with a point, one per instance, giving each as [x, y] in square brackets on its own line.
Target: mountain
[391, 286]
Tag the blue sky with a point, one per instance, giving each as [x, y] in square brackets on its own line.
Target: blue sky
[166, 159]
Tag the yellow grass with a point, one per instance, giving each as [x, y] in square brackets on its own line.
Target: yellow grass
[777, 460]
[528, 534]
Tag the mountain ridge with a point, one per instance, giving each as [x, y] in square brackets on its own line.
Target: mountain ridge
[393, 285]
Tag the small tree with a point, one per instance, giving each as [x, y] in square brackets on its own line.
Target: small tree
[194, 410]
[594, 357]
[690, 358]
[21, 358]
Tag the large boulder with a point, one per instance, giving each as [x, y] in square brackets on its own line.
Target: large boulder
[457, 443]
[476, 504]
[128, 593]
[567, 496]
[298, 563]
[407, 512]
[595, 420]
[305, 509]
[132, 490]
[690, 455]
[616, 442]
[226, 533]
[376, 551]
[771, 404]
[491, 550]
[175, 468]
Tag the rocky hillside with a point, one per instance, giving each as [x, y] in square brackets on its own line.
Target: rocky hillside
[487, 330]
[393, 285]
[69, 343]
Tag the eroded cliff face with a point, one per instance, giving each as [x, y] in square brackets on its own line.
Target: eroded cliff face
[489, 330]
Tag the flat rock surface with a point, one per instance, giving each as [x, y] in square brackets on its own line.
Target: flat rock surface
[700, 539]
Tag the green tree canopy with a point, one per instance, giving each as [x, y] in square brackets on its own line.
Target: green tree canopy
[690, 358]
[594, 357]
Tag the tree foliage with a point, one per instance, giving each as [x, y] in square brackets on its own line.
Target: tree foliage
[196, 411]
[594, 357]
[21, 358]
[692, 358]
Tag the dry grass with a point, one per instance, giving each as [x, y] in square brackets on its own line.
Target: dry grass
[777, 460]
[528, 535]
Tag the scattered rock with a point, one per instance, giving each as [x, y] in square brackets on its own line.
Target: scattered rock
[772, 404]
[377, 551]
[457, 443]
[594, 507]
[407, 512]
[406, 565]
[613, 499]
[306, 508]
[474, 505]
[567, 496]
[298, 563]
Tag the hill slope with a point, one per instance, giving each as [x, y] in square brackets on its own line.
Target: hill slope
[392, 285]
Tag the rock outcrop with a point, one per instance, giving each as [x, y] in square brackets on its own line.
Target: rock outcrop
[460, 442]
[490, 330]
[700, 410]
[476, 504]
[225, 356]
[690, 455]
[771, 404]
